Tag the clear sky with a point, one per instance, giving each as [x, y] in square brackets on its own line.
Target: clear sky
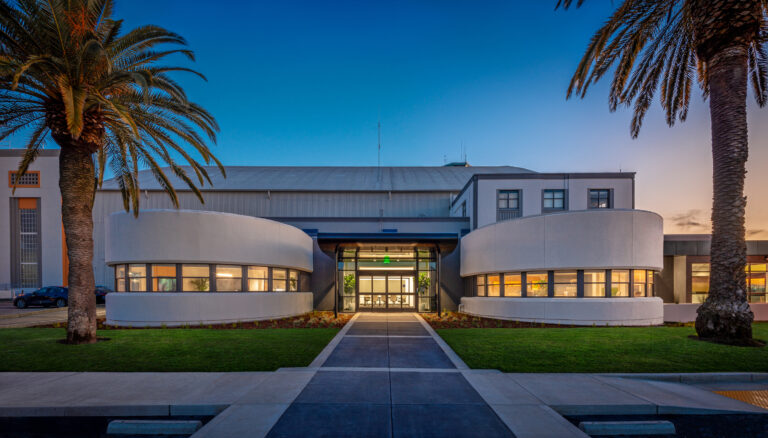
[304, 82]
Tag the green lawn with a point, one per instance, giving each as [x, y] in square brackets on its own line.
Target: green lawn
[37, 349]
[602, 350]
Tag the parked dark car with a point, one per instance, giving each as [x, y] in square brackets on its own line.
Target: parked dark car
[101, 294]
[46, 297]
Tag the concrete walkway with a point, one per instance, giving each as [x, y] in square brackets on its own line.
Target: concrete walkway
[391, 375]
[33, 316]
[382, 375]
[388, 377]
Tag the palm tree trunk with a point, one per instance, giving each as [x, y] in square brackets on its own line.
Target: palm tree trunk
[76, 182]
[726, 315]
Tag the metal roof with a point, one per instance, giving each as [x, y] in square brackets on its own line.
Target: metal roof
[310, 178]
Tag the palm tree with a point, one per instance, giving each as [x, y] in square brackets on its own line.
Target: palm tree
[106, 98]
[662, 45]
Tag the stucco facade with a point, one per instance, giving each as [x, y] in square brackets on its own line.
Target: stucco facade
[186, 236]
[386, 239]
[587, 239]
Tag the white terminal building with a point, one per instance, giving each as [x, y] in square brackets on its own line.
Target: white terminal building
[495, 241]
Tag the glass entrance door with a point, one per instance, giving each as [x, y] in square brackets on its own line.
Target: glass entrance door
[387, 278]
[386, 291]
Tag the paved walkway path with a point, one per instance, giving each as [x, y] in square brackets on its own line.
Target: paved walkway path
[382, 375]
[30, 317]
[389, 377]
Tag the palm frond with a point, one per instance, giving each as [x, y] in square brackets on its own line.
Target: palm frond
[650, 47]
[68, 69]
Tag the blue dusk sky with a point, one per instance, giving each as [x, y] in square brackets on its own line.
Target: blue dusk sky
[304, 83]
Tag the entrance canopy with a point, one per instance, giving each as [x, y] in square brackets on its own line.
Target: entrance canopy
[445, 242]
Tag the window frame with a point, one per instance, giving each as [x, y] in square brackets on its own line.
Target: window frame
[603, 283]
[478, 284]
[554, 209]
[224, 278]
[248, 278]
[505, 283]
[528, 283]
[293, 274]
[609, 200]
[517, 212]
[123, 277]
[556, 283]
[749, 273]
[634, 276]
[499, 285]
[128, 277]
[628, 283]
[26, 243]
[153, 277]
[273, 281]
[690, 262]
[208, 277]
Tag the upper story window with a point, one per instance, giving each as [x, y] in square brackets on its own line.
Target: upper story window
[30, 178]
[464, 209]
[508, 204]
[600, 198]
[553, 200]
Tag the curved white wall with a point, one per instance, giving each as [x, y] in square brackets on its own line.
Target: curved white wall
[588, 239]
[190, 236]
[569, 311]
[154, 309]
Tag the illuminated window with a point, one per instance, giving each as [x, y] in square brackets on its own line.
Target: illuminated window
[481, 285]
[137, 278]
[195, 278]
[120, 278]
[293, 281]
[537, 284]
[639, 277]
[494, 285]
[258, 278]
[229, 278]
[756, 279]
[565, 284]
[594, 284]
[512, 285]
[164, 278]
[554, 200]
[279, 277]
[650, 283]
[699, 282]
[620, 283]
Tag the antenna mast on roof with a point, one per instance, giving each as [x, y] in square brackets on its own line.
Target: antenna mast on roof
[378, 163]
[378, 160]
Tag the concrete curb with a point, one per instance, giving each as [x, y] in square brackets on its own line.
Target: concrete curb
[452, 356]
[114, 411]
[691, 377]
[323, 356]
